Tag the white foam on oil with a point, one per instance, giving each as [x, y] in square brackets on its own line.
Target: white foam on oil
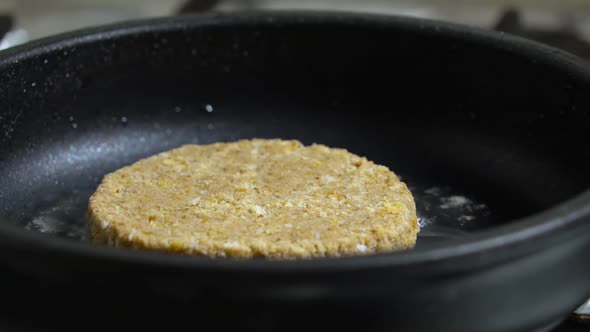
[442, 202]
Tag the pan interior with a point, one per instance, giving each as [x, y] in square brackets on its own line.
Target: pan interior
[481, 133]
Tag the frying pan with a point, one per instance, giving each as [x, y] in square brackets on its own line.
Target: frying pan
[489, 131]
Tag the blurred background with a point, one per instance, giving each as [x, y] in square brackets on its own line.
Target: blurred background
[561, 23]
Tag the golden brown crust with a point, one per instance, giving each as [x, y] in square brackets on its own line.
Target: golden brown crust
[254, 198]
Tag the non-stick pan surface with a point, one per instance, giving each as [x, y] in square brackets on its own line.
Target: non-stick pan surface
[490, 132]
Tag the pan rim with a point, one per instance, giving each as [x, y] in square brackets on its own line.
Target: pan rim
[528, 232]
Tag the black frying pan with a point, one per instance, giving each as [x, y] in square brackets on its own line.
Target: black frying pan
[489, 131]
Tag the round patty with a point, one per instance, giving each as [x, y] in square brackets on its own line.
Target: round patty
[254, 198]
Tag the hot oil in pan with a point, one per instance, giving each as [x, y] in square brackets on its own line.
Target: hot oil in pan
[64, 218]
[443, 213]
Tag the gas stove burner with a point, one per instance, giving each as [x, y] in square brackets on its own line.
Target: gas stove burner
[203, 6]
[564, 38]
[5, 24]
[197, 6]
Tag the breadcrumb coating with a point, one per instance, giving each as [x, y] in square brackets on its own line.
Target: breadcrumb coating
[254, 198]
